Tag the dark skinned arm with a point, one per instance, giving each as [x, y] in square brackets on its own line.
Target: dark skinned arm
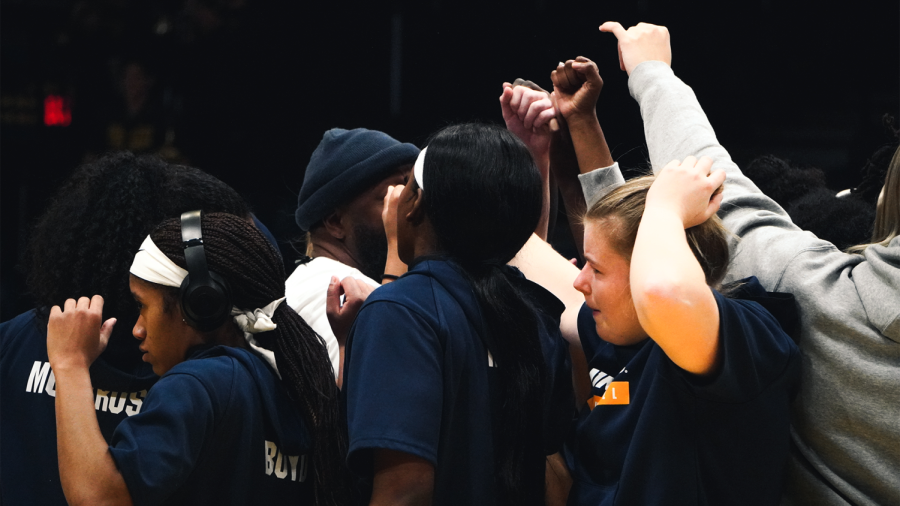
[558, 481]
[576, 88]
[401, 479]
[579, 146]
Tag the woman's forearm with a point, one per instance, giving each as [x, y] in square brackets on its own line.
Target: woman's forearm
[673, 302]
[87, 471]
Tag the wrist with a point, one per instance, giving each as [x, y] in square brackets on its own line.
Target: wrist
[580, 117]
[663, 212]
[69, 366]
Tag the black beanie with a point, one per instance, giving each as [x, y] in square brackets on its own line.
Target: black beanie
[345, 164]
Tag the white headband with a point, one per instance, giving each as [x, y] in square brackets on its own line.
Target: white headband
[419, 167]
[151, 264]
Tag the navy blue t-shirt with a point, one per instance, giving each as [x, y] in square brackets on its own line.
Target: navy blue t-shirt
[657, 434]
[418, 380]
[219, 429]
[29, 473]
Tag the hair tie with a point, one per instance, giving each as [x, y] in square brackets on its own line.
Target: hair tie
[257, 320]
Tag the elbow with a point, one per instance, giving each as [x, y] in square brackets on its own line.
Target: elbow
[684, 322]
[657, 296]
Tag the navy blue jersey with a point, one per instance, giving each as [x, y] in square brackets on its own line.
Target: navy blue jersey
[656, 434]
[219, 429]
[30, 471]
[418, 379]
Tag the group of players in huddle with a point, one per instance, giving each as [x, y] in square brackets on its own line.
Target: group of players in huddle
[433, 348]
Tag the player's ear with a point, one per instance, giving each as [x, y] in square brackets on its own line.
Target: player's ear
[334, 224]
[416, 214]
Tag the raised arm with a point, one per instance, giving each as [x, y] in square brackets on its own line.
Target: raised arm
[577, 85]
[75, 338]
[676, 127]
[672, 300]
[576, 88]
[527, 113]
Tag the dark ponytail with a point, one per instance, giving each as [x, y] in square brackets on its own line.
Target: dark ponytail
[239, 253]
[483, 197]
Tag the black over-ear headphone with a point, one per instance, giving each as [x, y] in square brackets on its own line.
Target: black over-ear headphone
[205, 297]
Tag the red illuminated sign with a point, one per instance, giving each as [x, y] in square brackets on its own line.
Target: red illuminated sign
[57, 111]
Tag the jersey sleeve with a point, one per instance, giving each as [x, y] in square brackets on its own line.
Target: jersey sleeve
[157, 449]
[756, 353]
[393, 385]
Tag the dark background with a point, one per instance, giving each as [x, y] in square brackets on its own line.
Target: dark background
[244, 89]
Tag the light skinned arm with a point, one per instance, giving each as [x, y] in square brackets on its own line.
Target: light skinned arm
[528, 114]
[674, 304]
[75, 338]
[540, 263]
[543, 265]
[401, 479]
[393, 265]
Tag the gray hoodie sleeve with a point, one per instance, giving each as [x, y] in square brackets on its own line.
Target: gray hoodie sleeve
[676, 127]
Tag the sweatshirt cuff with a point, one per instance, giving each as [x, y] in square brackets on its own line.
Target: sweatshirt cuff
[644, 74]
[597, 183]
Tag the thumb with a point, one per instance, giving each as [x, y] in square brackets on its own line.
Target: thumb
[333, 296]
[106, 331]
[613, 27]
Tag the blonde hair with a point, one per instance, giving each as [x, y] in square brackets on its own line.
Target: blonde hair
[887, 214]
[622, 209]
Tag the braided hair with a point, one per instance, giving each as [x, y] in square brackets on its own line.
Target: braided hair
[85, 241]
[239, 253]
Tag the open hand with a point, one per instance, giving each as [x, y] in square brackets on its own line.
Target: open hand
[576, 87]
[389, 212]
[640, 43]
[690, 189]
[75, 336]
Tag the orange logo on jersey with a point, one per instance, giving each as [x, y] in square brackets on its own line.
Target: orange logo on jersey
[616, 393]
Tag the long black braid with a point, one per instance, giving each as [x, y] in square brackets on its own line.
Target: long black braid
[239, 253]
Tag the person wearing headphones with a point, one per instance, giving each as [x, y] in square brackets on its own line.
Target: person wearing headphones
[84, 243]
[222, 425]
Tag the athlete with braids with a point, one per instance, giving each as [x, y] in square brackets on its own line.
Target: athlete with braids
[219, 427]
[84, 243]
[457, 381]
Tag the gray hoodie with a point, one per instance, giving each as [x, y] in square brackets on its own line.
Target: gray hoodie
[846, 419]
